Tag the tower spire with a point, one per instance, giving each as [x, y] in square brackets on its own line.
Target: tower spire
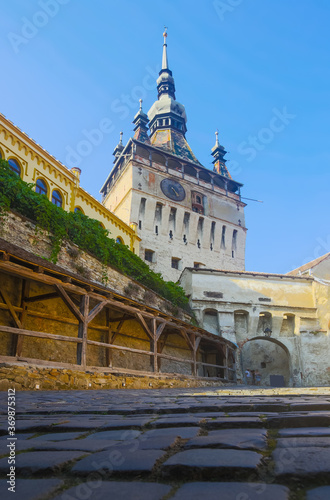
[165, 61]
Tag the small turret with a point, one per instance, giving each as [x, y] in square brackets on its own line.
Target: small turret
[119, 148]
[219, 162]
[141, 125]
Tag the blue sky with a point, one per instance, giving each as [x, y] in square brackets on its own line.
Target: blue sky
[258, 70]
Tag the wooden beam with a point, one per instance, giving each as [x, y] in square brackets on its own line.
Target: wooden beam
[32, 333]
[118, 347]
[160, 330]
[71, 306]
[96, 310]
[187, 339]
[44, 296]
[5, 307]
[82, 331]
[10, 307]
[144, 325]
[4, 256]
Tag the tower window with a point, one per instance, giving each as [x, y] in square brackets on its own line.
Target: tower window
[212, 235]
[186, 219]
[158, 212]
[223, 237]
[200, 227]
[149, 255]
[197, 201]
[175, 263]
[234, 243]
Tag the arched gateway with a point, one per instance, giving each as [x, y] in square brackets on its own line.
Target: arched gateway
[270, 357]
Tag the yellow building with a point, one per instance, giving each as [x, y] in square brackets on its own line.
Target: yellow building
[54, 180]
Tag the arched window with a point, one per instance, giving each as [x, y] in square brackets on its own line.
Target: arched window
[41, 187]
[78, 210]
[119, 240]
[56, 198]
[1, 155]
[14, 166]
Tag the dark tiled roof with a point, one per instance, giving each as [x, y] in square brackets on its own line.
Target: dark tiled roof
[175, 143]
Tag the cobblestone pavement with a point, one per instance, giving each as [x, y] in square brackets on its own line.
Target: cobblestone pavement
[175, 444]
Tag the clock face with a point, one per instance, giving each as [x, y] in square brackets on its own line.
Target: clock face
[173, 189]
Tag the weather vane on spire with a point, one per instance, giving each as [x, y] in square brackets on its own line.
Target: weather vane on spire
[165, 33]
[165, 61]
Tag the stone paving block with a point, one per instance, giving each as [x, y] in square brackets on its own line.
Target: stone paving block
[116, 490]
[234, 422]
[29, 489]
[80, 424]
[127, 422]
[39, 424]
[305, 431]
[315, 419]
[244, 439]
[301, 442]
[182, 432]
[301, 462]
[231, 491]
[321, 493]
[157, 443]
[59, 436]
[119, 459]
[40, 461]
[118, 435]
[88, 445]
[19, 436]
[176, 421]
[207, 462]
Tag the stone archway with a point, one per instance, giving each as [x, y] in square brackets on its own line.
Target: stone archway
[269, 356]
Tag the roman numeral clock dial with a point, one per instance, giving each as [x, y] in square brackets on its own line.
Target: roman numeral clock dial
[173, 189]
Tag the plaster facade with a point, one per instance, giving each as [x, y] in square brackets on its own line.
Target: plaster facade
[33, 163]
[283, 318]
[172, 230]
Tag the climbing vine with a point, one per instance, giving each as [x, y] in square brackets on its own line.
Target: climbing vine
[85, 232]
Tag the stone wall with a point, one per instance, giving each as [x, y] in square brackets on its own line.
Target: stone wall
[34, 377]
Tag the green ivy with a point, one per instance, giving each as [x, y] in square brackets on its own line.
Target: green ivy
[85, 232]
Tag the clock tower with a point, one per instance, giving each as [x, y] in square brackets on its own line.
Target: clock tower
[186, 215]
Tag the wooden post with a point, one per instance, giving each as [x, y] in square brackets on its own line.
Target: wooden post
[24, 305]
[82, 332]
[226, 363]
[196, 346]
[108, 352]
[154, 346]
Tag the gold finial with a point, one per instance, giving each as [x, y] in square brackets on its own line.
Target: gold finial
[165, 33]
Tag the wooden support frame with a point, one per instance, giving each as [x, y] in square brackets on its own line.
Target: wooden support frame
[77, 296]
